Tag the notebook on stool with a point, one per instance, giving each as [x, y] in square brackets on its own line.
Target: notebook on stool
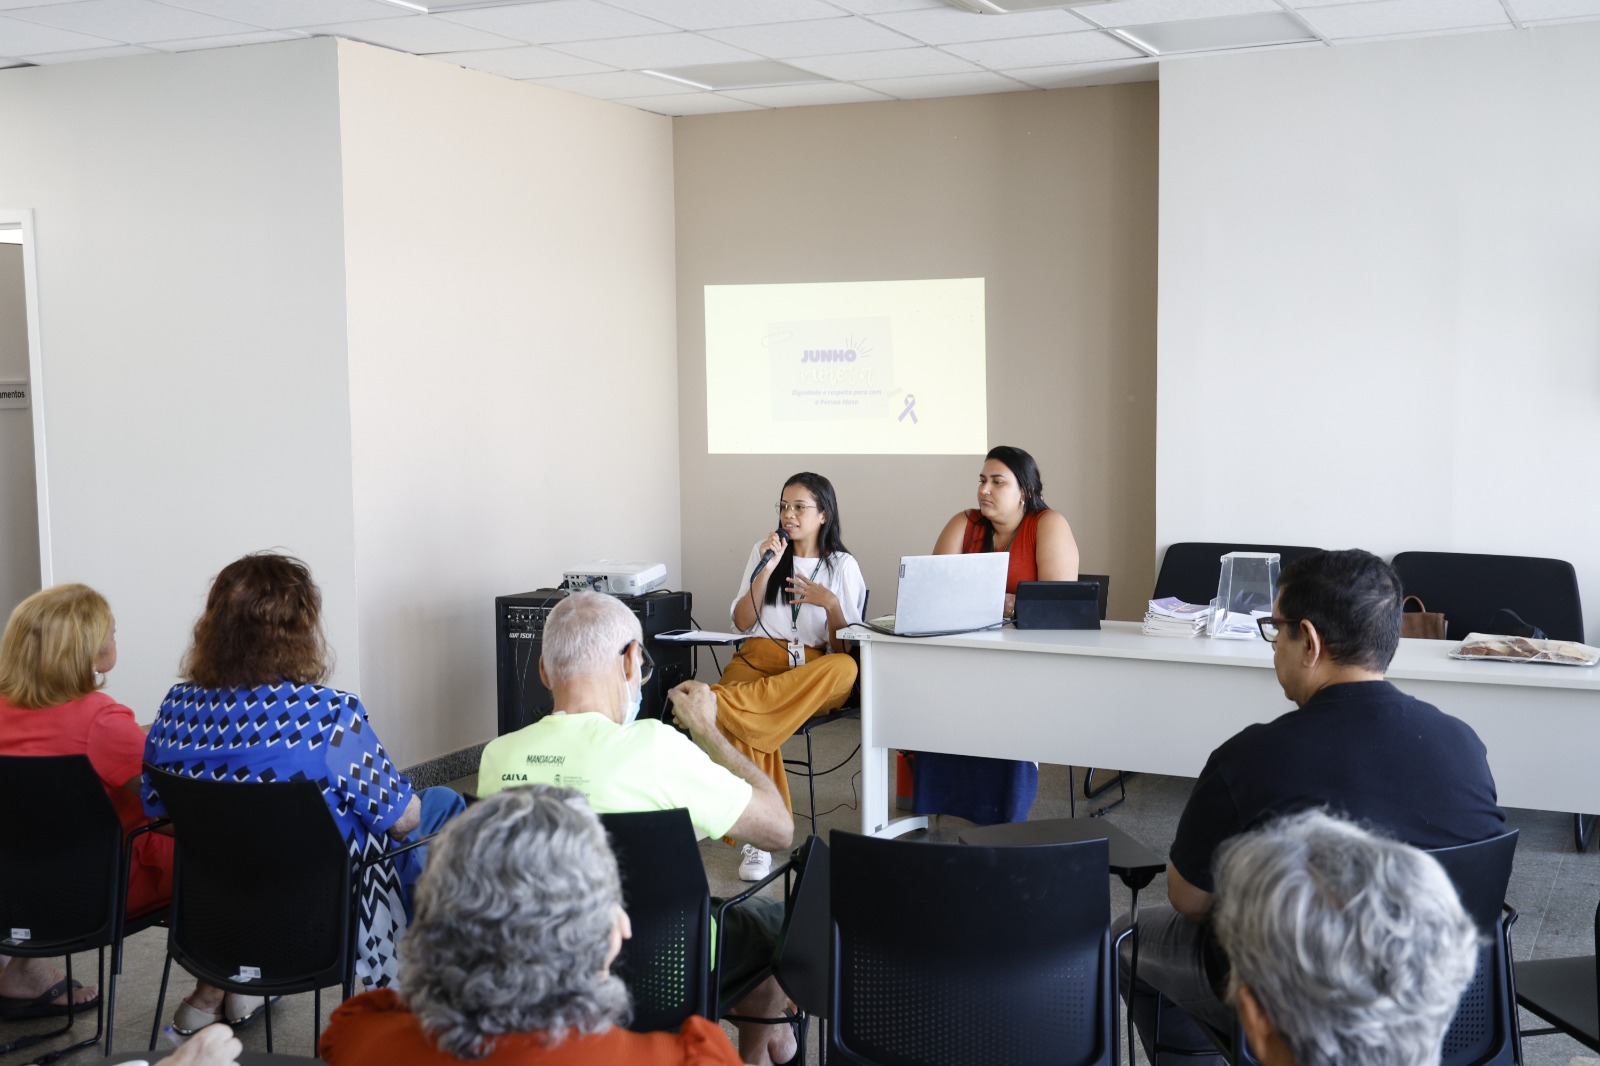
[1058, 605]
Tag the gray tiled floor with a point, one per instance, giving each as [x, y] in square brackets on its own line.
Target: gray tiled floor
[1553, 887]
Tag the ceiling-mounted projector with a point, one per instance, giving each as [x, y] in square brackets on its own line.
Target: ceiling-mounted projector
[1010, 7]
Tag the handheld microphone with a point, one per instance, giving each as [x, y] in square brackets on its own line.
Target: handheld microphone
[766, 556]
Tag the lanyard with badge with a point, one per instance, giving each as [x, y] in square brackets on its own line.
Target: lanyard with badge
[797, 650]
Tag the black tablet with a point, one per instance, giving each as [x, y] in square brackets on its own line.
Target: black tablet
[1058, 605]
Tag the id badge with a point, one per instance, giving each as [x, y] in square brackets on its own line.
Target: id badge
[797, 653]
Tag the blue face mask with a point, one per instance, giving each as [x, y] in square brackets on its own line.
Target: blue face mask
[634, 702]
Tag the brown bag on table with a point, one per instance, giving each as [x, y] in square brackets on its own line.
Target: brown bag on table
[1429, 625]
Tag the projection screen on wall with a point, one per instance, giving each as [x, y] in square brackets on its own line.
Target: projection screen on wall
[866, 367]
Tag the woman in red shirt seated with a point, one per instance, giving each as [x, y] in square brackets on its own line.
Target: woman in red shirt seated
[508, 958]
[1011, 516]
[58, 646]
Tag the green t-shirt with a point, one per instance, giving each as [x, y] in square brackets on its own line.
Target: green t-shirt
[643, 766]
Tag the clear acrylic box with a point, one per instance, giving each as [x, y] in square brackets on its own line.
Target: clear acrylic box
[1246, 587]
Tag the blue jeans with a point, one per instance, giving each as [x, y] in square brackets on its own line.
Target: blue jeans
[439, 805]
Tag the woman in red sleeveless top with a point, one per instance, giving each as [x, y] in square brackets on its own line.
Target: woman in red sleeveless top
[1011, 516]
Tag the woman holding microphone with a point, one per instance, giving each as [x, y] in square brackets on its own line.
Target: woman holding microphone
[798, 588]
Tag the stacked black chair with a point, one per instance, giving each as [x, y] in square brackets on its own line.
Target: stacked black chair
[666, 964]
[949, 953]
[66, 876]
[263, 900]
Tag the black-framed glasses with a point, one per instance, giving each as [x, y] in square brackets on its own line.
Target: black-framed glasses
[798, 508]
[1272, 626]
[647, 665]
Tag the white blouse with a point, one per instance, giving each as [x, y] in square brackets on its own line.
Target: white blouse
[842, 577]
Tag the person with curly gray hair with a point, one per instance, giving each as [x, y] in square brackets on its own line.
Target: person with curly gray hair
[1347, 948]
[508, 961]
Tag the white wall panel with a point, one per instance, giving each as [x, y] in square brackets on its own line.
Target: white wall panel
[1380, 275]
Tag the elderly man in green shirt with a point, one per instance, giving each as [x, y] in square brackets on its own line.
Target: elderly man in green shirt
[594, 664]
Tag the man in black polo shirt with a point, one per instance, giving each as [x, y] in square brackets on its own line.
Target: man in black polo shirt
[1356, 745]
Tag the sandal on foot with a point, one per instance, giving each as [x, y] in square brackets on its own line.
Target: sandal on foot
[43, 1005]
[241, 1010]
[797, 1022]
[189, 1019]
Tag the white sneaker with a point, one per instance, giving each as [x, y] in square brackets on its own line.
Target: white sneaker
[756, 865]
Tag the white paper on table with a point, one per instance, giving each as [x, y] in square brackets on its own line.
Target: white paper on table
[701, 636]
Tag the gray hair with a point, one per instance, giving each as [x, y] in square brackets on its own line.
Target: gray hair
[513, 924]
[1355, 946]
[586, 635]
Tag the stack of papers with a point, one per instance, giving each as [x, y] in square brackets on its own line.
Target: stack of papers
[1238, 625]
[1172, 617]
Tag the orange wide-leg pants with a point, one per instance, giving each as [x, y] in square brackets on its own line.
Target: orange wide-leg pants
[762, 700]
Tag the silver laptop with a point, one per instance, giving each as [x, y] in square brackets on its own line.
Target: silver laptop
[949, 594]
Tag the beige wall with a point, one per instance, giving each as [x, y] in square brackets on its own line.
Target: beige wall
[508, 254]
[191, 304]
[1050, 196]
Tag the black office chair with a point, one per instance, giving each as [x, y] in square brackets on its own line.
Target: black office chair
[667, 963]
[851, 709]
[263, 902]
[66, 878]
[802, 963]
[1118, 780]
[1484, 1031]
[949, 953]
[1470, 590]
[1564, 992]
[1190, 569]
[1133, 864]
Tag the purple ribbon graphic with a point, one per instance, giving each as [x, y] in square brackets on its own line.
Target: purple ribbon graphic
[911, 403]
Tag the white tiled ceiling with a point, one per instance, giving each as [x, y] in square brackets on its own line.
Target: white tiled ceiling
[1384, 18]
[865, 49]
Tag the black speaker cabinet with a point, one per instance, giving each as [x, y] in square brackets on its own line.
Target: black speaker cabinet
[519, 635]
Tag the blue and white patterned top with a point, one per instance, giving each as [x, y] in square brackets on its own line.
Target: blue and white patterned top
[292, 732]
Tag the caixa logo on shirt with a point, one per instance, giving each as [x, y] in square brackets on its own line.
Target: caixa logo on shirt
[546, 760]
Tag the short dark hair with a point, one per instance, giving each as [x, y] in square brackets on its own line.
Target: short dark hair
[1352, 597]
[262, 625]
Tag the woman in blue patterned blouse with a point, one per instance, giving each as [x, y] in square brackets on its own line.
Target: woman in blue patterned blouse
[253, 708]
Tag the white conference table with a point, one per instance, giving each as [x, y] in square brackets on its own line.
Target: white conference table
[1118, 699]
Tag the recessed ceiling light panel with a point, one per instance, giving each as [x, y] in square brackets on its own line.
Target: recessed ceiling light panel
[1009, 7]
[755, 74]
[436, 7]
[1219, 34]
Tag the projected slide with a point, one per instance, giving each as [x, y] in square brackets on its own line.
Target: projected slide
[884, 367]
